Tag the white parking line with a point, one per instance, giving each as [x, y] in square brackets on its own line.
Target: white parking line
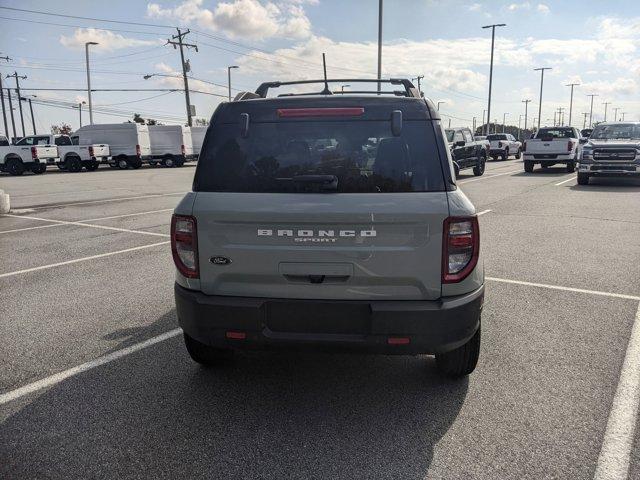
[487, 177]
[108, 200]
[31, 228]
[613, 462]
[78, 260]
[479, 213]
[565, 181]
[59, 377]
[566, 289]
[126, 215]
[92, 225]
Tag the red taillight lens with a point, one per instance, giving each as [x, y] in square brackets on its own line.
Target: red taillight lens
[460, 248]
[320, 112]
[91, 151]
[34, 153]
[569, 146]
[182, 149]
[138, 151]
[184, 245]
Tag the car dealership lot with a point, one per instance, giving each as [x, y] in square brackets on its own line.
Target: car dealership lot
[87, 273]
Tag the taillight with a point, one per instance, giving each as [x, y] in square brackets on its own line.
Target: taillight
[34, 153]
[91, 151]
[138, 151]
[570, 146]
[460, 248]
[182, 149]
[184, 245]
[524, 146]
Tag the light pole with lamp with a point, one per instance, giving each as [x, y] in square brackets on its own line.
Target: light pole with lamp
[438, 106]
[493, 39]
[86, 52]
[541, 70]
[229, 78]
[504, 120]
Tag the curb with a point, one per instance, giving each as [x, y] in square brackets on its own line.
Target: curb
[5, 206]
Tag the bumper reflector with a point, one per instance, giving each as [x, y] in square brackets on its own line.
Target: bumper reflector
[398, 340]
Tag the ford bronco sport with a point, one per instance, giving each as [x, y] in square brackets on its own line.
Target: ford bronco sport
[328, 221]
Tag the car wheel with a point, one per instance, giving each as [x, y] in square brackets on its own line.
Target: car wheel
[123, 164]
[206, 355]
[135, 163]
[528, 166]
[73, 164]
[505, 155]
[583, 178]
[39, 168]
[179, 162]
[91, 166]
[14, 167]
[519, 154]
[478, 170]
[169, 161]
[461, 361]
[571, 167]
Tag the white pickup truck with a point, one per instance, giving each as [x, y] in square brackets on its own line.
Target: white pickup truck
[551, 145]
[71, 156]
[503, 145]
[17, 159]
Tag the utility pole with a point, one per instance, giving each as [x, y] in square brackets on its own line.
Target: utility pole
[181, 44]
[555, 113]
[504, 120]
[623, 114]
[560, 116]
[484, 112]
[520, 127]
[379, 43]
[13, 122]
[86, 53]
[606, 104]
[18, 77]
[229, 78]
[541, 70]
[438, 105]
[474, 125]
[418, 78]
[615, 114]
[591, 110]
[571, 101]
[4, 113]
[493, 40]
[584, 123]
[33, 119]
[526, 112]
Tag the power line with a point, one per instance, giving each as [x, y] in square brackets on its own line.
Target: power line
[79, 26]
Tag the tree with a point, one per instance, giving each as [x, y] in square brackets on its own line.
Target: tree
[62, 129]
[138, 118]
[201, 122]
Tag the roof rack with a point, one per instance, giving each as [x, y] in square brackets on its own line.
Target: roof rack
[409, 89]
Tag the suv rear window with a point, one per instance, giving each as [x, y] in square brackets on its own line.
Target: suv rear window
[493, 138]
[284, 157]
[556, 133]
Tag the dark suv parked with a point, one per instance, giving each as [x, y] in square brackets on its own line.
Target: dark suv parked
[328, 221]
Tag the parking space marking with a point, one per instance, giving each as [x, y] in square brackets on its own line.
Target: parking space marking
[83, 259]
[479, 213]
[573, 177]
[614, 458]
[61, 376]
[93, 225]
[487, 177]
[30, 228]
[108, 200]
[566, 289]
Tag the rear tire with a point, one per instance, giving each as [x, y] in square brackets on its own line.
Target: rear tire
[206, 355]
[122, 163]
[528, 166]
[519, 154]
[135, 163]
[14, 166]
[461, 361]
[91, 166]
[73, 164]
[39, 168]
[478, 170]
[583, 178]
[505, 155]
[169, 161]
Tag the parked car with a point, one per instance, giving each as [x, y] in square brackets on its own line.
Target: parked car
[170, 145]
[552, 145]
[613, 150]
[503, 145]
[466, 152]
[197, 137]
[482, 139]
[128, 142]
[30, 156]
[363, 249]
[71, 157]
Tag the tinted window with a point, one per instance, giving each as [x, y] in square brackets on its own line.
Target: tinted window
[3, 141]
[64, 140]
[330, 156]
[616, 131]
[556, 133]
[25, 141]
[493, 138]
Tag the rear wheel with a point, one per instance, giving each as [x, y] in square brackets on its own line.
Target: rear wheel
[583, 178]
[571, 166]
[91, 166]
[39, 168]
[528, 166]
[461, 361]
[135, 163]
[169, 161]
[519, 154]
[505, 154]
[478, 170]
[206, 355]
[122, 163]
[73, 164]
[14, 166]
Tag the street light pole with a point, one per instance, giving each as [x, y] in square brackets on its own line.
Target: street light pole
[606, 104]
[623, 114]
[438, 106]
[18, 77]
[229, 78]
[493, 40]
[379, 43]
[342, 87]
[526, 112]
[418, 78]
[591, 110]
[484, 112]
[13, 121]
[86, 52]
[504, 120]
[615, 114]
[541, 70]
[571, 101]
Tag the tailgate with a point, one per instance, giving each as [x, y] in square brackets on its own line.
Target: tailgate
[100, 150]
[321, 246]
[48, 151]
[555, 146]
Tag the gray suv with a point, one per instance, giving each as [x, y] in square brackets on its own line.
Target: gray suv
[332, 222]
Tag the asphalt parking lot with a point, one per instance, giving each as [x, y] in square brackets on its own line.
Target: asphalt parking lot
[95, 382]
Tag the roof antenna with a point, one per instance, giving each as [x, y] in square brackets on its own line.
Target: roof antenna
[326, 90]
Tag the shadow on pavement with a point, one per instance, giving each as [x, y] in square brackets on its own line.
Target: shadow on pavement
[155, 414]
[610, 184]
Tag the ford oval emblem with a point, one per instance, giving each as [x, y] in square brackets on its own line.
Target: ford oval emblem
[220, 260]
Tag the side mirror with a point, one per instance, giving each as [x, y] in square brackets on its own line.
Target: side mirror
[244, 125]
[396, 123]
[459, 143]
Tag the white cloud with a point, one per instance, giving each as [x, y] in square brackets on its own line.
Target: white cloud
[619, 86]
[542, 8]
[242, 18]
[519, 6]
[107, 40]
[475, 7]
[174, 80]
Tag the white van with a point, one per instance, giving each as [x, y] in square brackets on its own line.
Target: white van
[197, 137]
[128, 142]
[170, 145]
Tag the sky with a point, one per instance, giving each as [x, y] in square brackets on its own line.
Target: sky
[593, 43]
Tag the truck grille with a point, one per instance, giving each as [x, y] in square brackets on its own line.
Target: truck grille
[614, 155]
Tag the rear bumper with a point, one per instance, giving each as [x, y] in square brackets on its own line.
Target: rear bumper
[543, 158]
[431, 326]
